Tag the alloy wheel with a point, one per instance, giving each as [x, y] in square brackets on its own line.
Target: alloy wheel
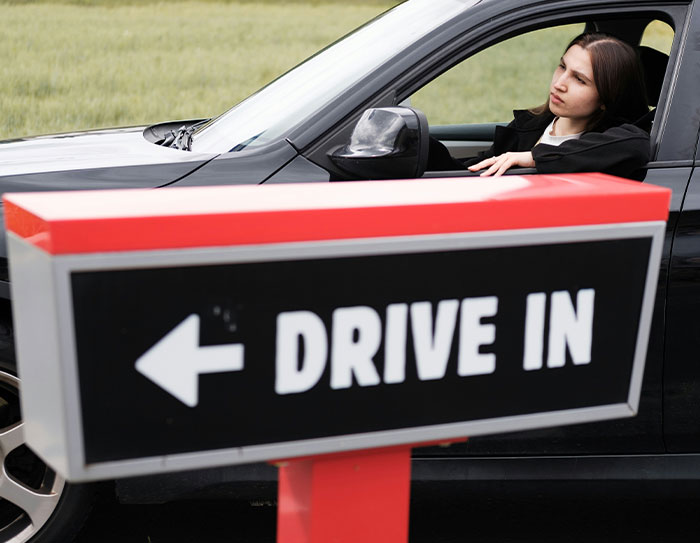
[29, 490]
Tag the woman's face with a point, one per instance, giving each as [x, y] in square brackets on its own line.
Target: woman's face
[573, 93]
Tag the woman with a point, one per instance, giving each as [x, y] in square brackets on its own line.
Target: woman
[597, 91]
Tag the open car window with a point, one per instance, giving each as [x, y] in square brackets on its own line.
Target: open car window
[467, 102]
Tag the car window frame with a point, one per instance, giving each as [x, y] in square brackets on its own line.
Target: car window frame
[665, 98]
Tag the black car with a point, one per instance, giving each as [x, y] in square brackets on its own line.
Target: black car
[289, 132]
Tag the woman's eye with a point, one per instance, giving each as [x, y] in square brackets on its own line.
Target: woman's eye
[580, 80]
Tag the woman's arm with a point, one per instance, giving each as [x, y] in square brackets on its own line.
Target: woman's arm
[618, 151]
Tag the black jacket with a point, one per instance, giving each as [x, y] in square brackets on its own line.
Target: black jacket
[617, 149]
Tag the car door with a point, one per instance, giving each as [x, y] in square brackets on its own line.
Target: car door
[682, 349]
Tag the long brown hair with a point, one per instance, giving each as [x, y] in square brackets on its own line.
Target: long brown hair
[618, 77]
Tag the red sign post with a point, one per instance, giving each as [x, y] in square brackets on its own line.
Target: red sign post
[360, 496]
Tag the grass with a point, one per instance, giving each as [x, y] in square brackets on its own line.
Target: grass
[76, 64]
[70, 66]
[122, 3]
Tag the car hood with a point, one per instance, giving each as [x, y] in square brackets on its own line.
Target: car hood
[88, 150]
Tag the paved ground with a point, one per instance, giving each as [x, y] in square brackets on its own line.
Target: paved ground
[559, 514]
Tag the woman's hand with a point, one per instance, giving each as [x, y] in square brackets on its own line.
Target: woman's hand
[497, 165]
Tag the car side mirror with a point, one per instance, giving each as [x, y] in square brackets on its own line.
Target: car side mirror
[386, 143]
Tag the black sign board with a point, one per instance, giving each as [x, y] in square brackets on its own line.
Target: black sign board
[181, 359]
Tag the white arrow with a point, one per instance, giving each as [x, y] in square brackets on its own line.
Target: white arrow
[175, 362]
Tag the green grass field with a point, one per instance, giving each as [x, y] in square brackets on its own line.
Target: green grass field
[75, 64]
[68, 66]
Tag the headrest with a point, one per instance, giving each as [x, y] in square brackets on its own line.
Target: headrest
[654, 66]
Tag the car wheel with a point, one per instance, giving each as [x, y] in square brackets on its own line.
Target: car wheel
[36, 504]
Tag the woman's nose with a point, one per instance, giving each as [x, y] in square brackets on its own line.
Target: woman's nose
[560, 83]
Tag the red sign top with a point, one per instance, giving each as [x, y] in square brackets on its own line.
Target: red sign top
[169, 218]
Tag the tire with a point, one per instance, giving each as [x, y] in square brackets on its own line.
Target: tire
[36, 504]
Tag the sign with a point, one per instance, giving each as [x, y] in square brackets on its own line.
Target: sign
[255, 349]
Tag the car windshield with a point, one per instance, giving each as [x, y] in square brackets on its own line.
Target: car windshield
[297, 95]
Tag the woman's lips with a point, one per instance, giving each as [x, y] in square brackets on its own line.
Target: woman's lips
[555, 99]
